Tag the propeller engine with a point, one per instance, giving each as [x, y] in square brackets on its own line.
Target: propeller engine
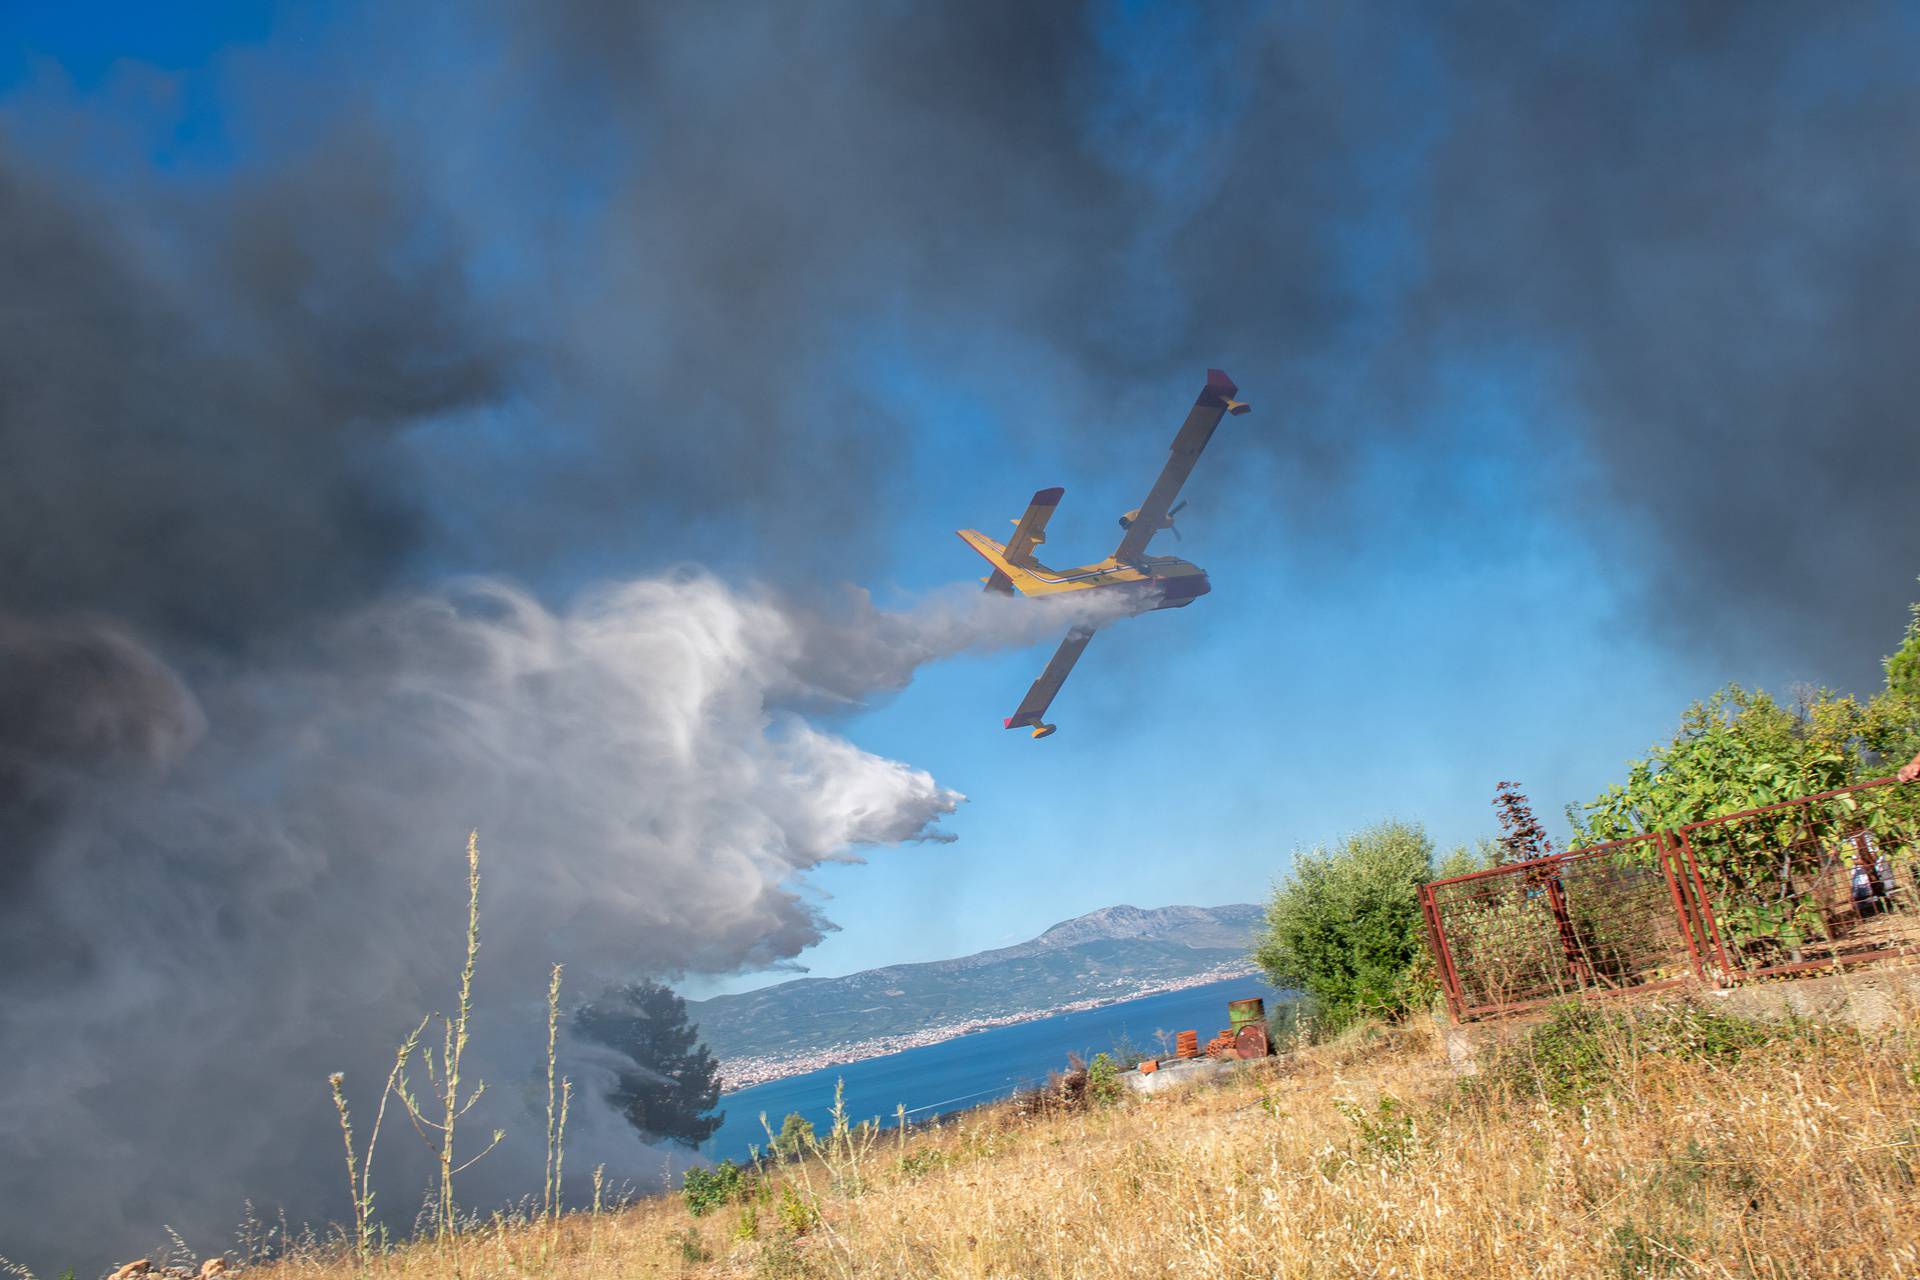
[1126, 521]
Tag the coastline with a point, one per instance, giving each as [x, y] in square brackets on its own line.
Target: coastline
[748, 1071]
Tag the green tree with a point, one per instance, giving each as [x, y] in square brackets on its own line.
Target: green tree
[1742, 750]
[1468, 858]
[796, 1137]
[708, 1189]
[1739, 749]
[1892, 729]
[1903, 665]
[669, 1091]
[1345, 925]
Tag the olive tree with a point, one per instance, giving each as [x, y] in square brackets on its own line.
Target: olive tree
[1345, 925]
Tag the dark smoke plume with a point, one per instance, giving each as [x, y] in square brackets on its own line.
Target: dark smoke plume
[1676, 233]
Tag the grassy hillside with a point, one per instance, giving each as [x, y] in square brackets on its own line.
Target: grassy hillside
[1672, 1141]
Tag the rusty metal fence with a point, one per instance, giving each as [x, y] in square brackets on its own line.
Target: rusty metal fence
[1816, 882]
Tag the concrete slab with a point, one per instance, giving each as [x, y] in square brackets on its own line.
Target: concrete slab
[1175, 1073]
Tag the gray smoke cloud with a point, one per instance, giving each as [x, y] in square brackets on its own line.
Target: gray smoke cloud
[78, 701]
[221, 927]
[625, 288]
[1699, 222]
[199, 400]
[1675, 234]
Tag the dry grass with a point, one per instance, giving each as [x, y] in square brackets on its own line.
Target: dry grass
[1794, 1156]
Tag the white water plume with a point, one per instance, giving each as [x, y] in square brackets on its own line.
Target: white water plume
[286, 898]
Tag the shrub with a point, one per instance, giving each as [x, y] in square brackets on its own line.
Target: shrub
[916, 1164]
[1579, 1050]
[1567, 1058]
[1636, 1253]
[1903, 665]
[1127, 1055]
[708, 1189]
[780, 1259]
[1505, 946]
[796, 1137]
[1696, 1032]
[1103, 1080]
[795, 1214]
[690, 1247]
[1063, 1091]
[1288, 1025]
[1466, 859]
[1345, 926]
[1384, 1134]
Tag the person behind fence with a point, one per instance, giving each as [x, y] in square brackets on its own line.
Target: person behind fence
[1883, 873]
[1867, 895]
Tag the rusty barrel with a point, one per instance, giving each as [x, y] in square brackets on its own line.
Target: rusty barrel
[1243, 1013]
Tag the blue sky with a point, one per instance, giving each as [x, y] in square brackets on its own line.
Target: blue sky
[1299, 700]
[1429, 573]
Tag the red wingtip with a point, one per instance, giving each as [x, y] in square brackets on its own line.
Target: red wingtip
[1220, 384]
[1048, 497]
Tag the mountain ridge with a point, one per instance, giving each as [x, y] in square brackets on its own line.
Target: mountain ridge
[1105, 954]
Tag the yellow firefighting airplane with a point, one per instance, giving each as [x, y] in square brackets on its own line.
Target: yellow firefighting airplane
[1159, 582]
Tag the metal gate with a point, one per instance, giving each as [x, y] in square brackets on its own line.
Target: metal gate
[1811, 883]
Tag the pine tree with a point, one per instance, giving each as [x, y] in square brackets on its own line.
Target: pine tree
[668, 1095]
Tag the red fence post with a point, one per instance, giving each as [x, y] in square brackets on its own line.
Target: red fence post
[1442, 961]
[1569, 942]
[1669, 864]
[1703, 907]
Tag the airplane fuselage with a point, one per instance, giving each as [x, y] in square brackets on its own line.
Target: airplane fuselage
[1169, 581]
[1172, 583]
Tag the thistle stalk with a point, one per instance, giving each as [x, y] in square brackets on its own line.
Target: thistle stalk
[560, 1143]
[336, 1084]
[455, 1045]
[551, 1203]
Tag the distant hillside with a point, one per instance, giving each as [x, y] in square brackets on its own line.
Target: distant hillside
[1109, 952]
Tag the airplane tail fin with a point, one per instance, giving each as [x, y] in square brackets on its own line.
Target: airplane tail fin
[1030, 530]
[1011, 559]
[1002, 579]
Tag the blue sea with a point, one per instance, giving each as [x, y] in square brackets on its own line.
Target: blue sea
[977, 1068]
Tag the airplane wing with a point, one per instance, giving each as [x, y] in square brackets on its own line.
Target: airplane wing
[1034, 706]
[1030, 530]
[1215, 400]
